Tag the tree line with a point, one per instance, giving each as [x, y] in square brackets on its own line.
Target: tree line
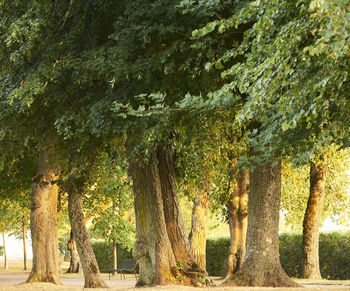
[176, 93]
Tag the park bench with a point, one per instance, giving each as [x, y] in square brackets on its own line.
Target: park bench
[128, 266]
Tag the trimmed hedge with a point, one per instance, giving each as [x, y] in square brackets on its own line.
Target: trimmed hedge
[217, 251]
[334, 255]
[104, 255]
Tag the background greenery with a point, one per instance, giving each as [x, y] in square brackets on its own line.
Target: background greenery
[334, 264]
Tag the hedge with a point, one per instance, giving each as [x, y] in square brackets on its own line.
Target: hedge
[334, 255]
[1, 250]
[104, 255]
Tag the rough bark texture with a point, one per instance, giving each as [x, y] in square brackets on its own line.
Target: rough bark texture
[262, 266]
[6, 264]
[173, 218]
[115, 258]
[74, 266]
[238, 222]
[81, 236]
[311, 265]
[198, 232]
[24, 245]
[152, 249]
[43, 224]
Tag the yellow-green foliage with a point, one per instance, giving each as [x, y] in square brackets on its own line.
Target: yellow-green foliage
[296, 185]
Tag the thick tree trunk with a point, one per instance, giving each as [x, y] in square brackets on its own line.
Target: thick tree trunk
[238, 222]
[6, 264]
[24, 245]
[173, 218]
[74, 266]
[198, 232]
[43, 224]
[81, 236]
[262, 266]
[152, 249]
[115, 258]
[311, 265]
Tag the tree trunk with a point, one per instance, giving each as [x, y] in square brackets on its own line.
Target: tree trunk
[311, 265]
[262, 266]
[173, 218]
[74, 266]
[198, 233]
[6, 264]
[152, 249]
[86, 254]
[43, 224]
[115, 258]
[24, 245]
[238, 221]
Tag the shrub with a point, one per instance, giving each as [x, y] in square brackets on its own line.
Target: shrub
[1, 250]
[216, 253]
[334, 255]
[104, 255]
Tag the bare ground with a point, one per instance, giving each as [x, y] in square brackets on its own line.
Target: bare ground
[14, 278]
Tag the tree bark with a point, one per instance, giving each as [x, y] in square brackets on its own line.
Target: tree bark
[6, 264]
[24, 245]
[76, 217]
[198, 232]
[173, 218]
[115, 258]
[43, 224]
[262, 266]
[311, 265]
[74, 266]
[152, 249]
[238, 222]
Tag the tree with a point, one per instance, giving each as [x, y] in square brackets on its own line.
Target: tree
[14, 218]
[113, 204]
[44, 223]
[289, 104]
[74, 266]
[6, 264]
[238, 221]
[318, 178]
[303, 192]
[33, 105]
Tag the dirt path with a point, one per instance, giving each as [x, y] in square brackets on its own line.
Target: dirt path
[10, 281]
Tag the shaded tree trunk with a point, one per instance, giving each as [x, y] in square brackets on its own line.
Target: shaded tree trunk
[74, 265]
[161, 245]
[115, 258]
[81, 236]
[152, 249]
[43, 224]
[262, 266]
[238, 222]
[6, 264]
[198, 232]
[311, 265]
[24, 245]
[173, 218]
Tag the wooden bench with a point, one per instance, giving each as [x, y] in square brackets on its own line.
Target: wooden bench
[128, 266]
